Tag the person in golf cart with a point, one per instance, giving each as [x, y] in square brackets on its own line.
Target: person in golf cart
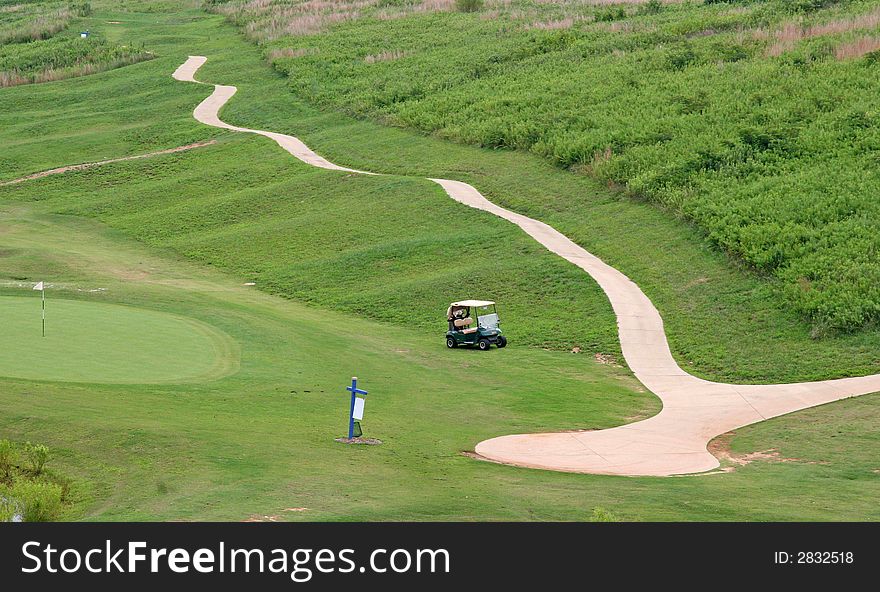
[461, 325]
[458, 317]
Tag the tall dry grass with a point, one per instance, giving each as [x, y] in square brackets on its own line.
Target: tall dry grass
[42, 26]
[555, 25]
[581, 3]
[386, 56]
[268, 20]
[789, 34]
[15, 78]
[288, 52]
[857, 48]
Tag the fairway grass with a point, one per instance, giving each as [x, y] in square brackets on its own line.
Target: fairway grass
[107, 343]
[180, 234]
[261, 441]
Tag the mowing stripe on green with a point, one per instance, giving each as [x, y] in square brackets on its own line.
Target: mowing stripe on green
[108, 343]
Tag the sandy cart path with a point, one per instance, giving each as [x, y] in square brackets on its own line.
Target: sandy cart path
[694, 410]
[88, 165]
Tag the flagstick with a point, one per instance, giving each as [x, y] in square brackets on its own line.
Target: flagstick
[43, 305]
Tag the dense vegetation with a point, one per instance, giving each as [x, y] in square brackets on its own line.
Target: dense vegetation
[29, 492]
[756, 120]
[21, 22]
[35, 45]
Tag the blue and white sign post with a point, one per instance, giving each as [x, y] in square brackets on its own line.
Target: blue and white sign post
[357, 405]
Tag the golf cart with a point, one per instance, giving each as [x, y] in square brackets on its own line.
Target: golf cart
[463, 330]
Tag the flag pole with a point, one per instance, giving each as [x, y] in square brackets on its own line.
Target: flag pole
[43, 307]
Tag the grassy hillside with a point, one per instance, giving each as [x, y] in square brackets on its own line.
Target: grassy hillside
[723, 321]
[260, 442]
[262, 439]
[755, 120]
[391, 249]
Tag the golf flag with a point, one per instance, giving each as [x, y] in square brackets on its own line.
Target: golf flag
[39, 287]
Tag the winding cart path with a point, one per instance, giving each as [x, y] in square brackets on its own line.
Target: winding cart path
[694, 410]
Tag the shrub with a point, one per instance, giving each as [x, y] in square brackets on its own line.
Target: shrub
[82, 9]
[37, 456]
[650, 7]
[468, 5]
[805, 6]
[611, 14]
[7, 457]
[603, 515]
[8, 509]
[39, 502]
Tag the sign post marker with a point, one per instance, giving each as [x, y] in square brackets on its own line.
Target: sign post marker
[357, 405]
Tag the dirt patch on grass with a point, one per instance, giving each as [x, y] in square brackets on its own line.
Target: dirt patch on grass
[271, 517]
[720, 449]
[607, 360]
[364, 441]
[475, 456]
[260, 518]
[696, 282]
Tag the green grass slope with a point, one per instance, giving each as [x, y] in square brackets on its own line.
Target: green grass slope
[262, 439]
[724, 322]
[755, 120]
[259, 442]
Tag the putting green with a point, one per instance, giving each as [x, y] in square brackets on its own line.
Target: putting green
[108, 343]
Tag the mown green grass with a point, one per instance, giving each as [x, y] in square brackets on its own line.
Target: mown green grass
[387, 248]
[261, 440]
[96, 342]
[683, 105]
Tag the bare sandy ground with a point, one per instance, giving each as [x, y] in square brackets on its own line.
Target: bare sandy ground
[694, 410]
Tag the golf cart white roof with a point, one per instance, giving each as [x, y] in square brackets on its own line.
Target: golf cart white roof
[473, 303]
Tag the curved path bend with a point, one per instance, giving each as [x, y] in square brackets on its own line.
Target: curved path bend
[694, 410]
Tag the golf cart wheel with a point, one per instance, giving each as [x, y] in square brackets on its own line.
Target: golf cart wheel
[483, 344]
[450, 342]
[502, 341]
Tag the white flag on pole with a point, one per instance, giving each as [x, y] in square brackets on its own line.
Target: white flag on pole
[39, 287]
